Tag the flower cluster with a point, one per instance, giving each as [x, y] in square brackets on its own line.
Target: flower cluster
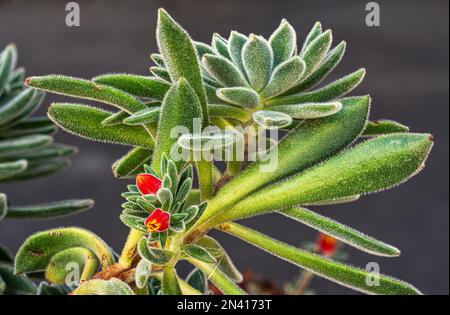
[159, 204]
[272, 78]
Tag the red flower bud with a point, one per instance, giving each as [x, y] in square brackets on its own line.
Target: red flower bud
[148, 184]
[158, 221]
[326, 244]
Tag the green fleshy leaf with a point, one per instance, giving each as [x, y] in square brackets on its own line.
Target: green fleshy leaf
[13, 106]
[158, 60]
[49, 210]
[284, 76]
[180, 56]
[179, 108]
[153, 255]
[222, 282]
[134, 222]
[315, 31]
[223, 70]
[55, 150]
[220, 45]
[225, 264]
[309, 143]
[340, 273]
[199, 253]
[283, 42]
[372, 166]
[10, 169]
[146, 116]
[62, 264]
[86, 121]
[85, 89]
[137, 85]
[381, 127]
[236, 42]
[104, 287]
[22, 144]
[203, 49]
[330, 92]
[132, 162]
[143, 272]
[341, 232]
[197, 279]
[38, 125]
[170, 285]
[29, 108]
[334, 201]
[40, 169]
[271, 119]
[316, 52]
[198, 142]
[330, 62]
[257, 57]
[115, 119]
[37, 250]
[161, 73]
[241, 96]
[227, 111]
[15, 284]
[308, 110]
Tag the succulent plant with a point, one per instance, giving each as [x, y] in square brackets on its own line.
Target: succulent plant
[27, 151]
[236, 82]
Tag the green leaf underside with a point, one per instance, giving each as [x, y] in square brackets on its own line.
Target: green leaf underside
[372, 166]
[340, 273]
[86, 121]
[341, 232]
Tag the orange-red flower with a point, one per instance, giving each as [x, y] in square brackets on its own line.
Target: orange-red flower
[148, 184]
[158, 221]
[326, 244]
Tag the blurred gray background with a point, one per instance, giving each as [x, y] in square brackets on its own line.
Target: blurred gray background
[407, 76]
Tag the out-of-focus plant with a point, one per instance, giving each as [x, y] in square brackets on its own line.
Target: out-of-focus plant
[242, 81]
[27, 151]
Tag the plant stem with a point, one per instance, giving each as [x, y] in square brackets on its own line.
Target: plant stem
[129, 250]
[205, 178]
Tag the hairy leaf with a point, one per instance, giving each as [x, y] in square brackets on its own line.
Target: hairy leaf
[199, 253]
[86, 121]
[180, 56]
[271, 119]
[316, 52]
[235, 43]
[372, 166]
[223, 70]
[308, 110]
[37, 250]
[132, 162]
[283, 42]
[332, 91]
[48, 210]
[241, 96]
[284, 76]
[341, 232]
[104, 287]
[137, 85]
[340, 273]
[257, 57]
[21, 144]
[380, 127]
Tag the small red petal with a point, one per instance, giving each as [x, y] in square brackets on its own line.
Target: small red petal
[158, 221]
[326, 244]
[148, 184]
